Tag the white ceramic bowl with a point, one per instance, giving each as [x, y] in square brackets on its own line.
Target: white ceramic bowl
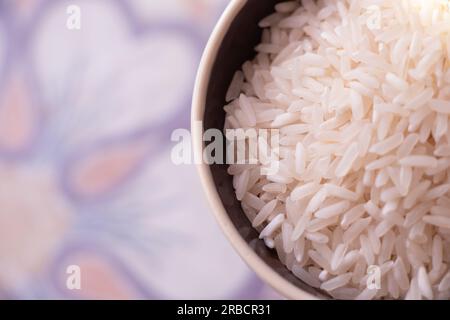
[231, 44]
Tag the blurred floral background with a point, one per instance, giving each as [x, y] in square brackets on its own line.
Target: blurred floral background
[85, 171]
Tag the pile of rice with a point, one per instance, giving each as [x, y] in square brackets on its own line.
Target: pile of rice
[360, 90]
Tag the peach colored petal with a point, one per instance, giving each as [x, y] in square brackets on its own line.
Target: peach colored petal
[198, 8]
[16, 117]
[100, 279]
[26, 4]
[33, 220]
[105, 168]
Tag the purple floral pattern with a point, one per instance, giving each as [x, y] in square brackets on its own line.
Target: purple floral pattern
[85, 171]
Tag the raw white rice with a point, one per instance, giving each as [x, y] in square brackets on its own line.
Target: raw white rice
[362, 106]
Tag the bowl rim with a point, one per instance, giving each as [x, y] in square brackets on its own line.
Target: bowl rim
[263, 270]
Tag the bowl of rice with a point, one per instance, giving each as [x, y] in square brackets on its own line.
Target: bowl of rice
[340, 187]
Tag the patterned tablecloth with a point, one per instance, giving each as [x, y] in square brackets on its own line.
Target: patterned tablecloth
[85, 173]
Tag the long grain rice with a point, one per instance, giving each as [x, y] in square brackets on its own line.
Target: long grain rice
[364, 156]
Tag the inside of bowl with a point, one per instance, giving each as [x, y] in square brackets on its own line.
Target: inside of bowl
[238, 47]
